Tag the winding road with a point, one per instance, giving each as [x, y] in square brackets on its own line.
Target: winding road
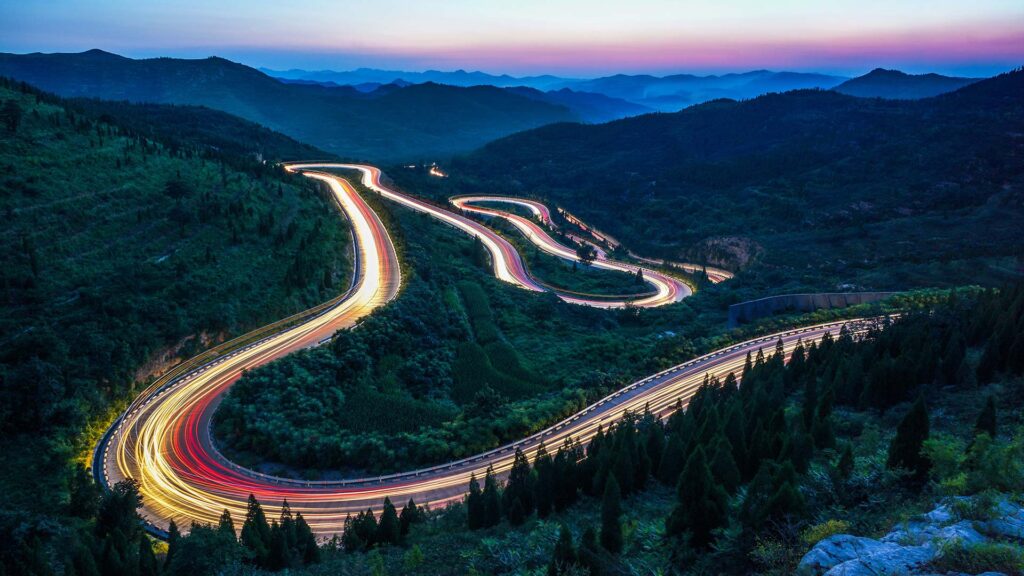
[163, 439]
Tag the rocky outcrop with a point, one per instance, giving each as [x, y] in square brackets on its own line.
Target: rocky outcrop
[911, 546]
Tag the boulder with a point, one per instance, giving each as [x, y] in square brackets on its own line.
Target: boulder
[890, 561]
[838, 549]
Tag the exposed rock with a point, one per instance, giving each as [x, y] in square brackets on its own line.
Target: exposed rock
[910, 546]
[838, 549]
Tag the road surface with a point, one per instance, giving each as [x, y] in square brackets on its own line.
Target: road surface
[163, 440]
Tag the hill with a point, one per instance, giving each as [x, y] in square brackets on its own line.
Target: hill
[671, 93]
[124, 251]
[417, 122]
[454, 78]
[824, 188]
[881, 83]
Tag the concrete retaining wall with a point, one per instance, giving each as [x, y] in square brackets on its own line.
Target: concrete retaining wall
[749, 311]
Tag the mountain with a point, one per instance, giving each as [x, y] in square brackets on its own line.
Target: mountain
[881, 83]
[587, 106]
[834, 189]
[455, 78]
[417, 122]
[671, 93]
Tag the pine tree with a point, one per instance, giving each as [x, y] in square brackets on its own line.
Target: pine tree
[307, 546]
[590, 553]
[672, 460]
[544, 485]
[226, 525]
[611, 511]
[256, 532]
[278, 554]
[84, 495]
[411, 514]
[845, 465]
[147, 560]
[350, 540]
[389, 531]
[518, 489]
[173, 541]
[475, 516]
[563, 559]
[824, 436]
[987, 422]
[702, 504]
[723, 466]
[492, 500]
[905, 449]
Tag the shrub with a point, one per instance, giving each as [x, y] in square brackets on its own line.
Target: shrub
[819, 532]
[977, 558]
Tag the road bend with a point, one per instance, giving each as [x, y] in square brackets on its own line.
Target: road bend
[163, 440]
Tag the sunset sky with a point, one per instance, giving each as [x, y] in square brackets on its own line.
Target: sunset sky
[566, 37]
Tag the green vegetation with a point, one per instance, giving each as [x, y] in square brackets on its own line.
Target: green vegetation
[124, 253]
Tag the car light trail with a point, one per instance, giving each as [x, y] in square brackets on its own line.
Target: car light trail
[163, 440]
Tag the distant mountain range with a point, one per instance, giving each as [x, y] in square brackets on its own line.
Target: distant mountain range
[666, 93]
[399, 123]
[893, 84]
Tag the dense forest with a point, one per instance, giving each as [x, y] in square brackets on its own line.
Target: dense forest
[125, 252]
[815, 188]
[852, 434]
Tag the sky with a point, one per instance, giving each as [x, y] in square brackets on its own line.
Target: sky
[578, 38]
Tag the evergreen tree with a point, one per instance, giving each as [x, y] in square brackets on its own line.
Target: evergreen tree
[987, 421]
[672, 460]
[147, 559]
[544, 485]
[226, 525]
[824, 436]
[475, 516]
[702, 503]
[307, 546]
[173, 540]
[278, 554]
[611, 511]
[723, 466]
[518, 489]
[411, 514]
[590, 553]
[256, 532]
[563, 559]
[905, 449]
[84, 495]
[350, 540]
[389, 531]
[844, 467]
[492, 500]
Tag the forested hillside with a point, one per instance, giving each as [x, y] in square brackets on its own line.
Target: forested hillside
[411, 123]
[128, 245]
[817, 188]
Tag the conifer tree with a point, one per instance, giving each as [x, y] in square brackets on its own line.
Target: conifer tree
[492, 500]
[278, 555]
[256, 532]
[518, 489]
[307, 547]
[723, 466]
[672, 460]
[173, 541]
[226, 525]
[544, 485]
[389, 531]
[702, 504]
[611, 511]
[905, 449]
[475, 516]
[987, 421]
[844, 467]
[590, 553]
[563, 559]
[411, 514]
